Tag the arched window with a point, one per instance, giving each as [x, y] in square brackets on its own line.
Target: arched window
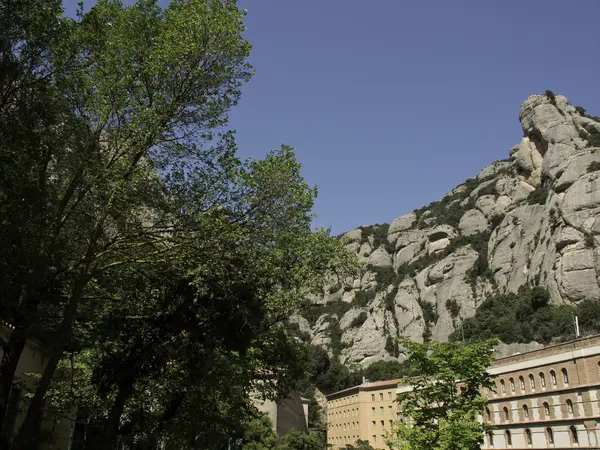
[505, 410]
[527, 436]
[570, 406]
[565, 375]
[550, 435]
[532, 381]
[522, 380]
[553, 377]
[502, 387]
[547, 409]
[542, 379]
[508, 438]
[512, 384]
[525, 412]
[573, 434]
[490, 438]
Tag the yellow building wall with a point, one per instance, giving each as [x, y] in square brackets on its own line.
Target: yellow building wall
[365, 412]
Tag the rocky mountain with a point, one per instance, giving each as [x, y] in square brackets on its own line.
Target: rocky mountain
[533, 218]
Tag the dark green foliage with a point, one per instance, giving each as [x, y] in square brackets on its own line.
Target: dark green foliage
[312, 312]
[489, 189]
[335, 334]
[430, 316]
[527, 316]
[379, 232]
[390, 300]
[359, 445]
[448, 210]
[589, 240]
[384, 276]
[391, 347]
[580, 110]
[453, 308]
[363, 297]
[337, 307]
[429, 313]
[591, 135]
[594, 166]
[386, 370]
[551, 96]
[538, 196]
[479, 243]
[359, 320]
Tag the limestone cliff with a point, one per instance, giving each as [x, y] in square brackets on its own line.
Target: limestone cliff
[533, 218]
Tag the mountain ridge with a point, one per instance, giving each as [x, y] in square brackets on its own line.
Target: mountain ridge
[529, 220]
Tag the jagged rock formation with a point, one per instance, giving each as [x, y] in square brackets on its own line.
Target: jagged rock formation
[533, 218]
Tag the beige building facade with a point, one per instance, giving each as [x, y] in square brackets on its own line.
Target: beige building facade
[366, 412]
[546, 399]
[286, 415]
[33, 361]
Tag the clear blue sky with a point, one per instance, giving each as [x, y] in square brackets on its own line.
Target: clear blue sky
[390, 104]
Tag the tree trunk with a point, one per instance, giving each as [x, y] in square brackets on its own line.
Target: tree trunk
[110, 426]
[64, 333]
[12, 353]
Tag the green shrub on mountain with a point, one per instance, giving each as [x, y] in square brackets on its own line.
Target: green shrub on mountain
[527, 316]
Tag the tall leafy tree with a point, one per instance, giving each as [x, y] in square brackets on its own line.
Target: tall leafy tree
[98, 105]
[443, 407]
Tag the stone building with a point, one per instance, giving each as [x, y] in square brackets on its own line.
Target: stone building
[57, 429]
[290, 413]
[365, 412]
[546, 398]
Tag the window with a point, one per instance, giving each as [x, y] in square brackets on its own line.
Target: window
[381, 411]
[372, 411]
[550, 435]
[574, 434]
[525, 411]
[390, 411]
[565, 375]
[512, 384]
[382, 424]
[505, 410]
[373, 425]
[490, 438]
[570, 407]
[553, 377]
[532, 381]
[522, 381]
[375, 438]
[389, 395]
[547, 409]
[502, 386]
[528, 436]
[508, 438]
[372, 397]
[391, 423]
[542, 379]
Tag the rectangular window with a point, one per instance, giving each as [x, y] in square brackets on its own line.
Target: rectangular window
[389, 395]
[372, 397]
[373, 425]
[382, 424]
[391, 423]
[390, 410]
[372, 411]
[374, 438]
[381, 411]
[381, 396]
